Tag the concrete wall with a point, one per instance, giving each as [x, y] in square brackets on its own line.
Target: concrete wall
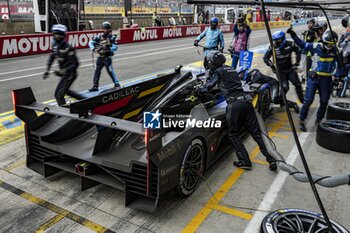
[142, 20]
[18, 27]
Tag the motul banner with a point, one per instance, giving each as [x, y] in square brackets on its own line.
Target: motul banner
[22, 45]
[30, 44]
[160, 33]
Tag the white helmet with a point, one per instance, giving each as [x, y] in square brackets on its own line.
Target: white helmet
[59, 29]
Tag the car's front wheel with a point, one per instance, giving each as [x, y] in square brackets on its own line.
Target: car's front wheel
[264, 103]
[191, 169]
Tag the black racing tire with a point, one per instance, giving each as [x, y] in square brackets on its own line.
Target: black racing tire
[264, 103]
[339, 111]
[297, 220]
[191, 168]
[334, 135]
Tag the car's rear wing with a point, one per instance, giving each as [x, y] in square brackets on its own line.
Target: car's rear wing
[25, 106]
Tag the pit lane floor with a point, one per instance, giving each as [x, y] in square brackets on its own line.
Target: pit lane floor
[230, 199]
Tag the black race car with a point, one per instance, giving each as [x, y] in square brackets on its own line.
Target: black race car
[103, 140]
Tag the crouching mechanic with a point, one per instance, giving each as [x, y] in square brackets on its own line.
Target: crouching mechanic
[239, 111]
[284, 50]
[324, 66]
[255, 76]
[104, 45]
[68, 64]
[214, 37]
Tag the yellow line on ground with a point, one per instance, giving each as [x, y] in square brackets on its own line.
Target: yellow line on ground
[60, 211]
[276, 135]
[206, 210]
[231, 211]
[198, 219]
[51, 222]
[5, 113]
[258, 161]
[15, 165]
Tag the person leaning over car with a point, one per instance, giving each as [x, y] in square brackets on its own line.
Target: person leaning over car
[239, 111]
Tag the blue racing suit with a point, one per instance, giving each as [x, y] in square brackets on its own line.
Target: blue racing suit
[105, 45]
[213, 39]
[324, 66]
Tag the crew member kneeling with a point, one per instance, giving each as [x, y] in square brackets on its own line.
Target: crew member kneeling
[239, 111]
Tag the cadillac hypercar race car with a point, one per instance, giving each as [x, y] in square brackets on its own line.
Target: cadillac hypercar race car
[103, 140]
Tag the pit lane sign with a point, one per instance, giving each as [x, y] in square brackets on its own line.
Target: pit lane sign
[246, 59]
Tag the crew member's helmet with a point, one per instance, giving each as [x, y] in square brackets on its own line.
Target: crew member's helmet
[214, 60]
[58, 32]
[313, 21]
[214, 23]
[329, 39]
[106, 25]
[279, 39]
[324, 25]
[345, 21]
[214, 20]
[59, 29]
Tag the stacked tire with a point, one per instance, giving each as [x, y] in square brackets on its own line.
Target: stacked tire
[297, 220]
[334, 133]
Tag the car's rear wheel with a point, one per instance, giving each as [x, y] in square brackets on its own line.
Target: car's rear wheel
[191, 169]
[297, 220]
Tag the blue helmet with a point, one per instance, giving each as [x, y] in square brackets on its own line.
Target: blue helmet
[214, 20]
[279, 39]
[59, 29]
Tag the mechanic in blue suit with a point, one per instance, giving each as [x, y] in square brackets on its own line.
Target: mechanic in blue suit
[214, 37]
[104, 45]
[323, 68]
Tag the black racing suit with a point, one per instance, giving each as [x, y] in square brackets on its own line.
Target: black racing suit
[284, 62]
[68, 64]
[239, 112]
